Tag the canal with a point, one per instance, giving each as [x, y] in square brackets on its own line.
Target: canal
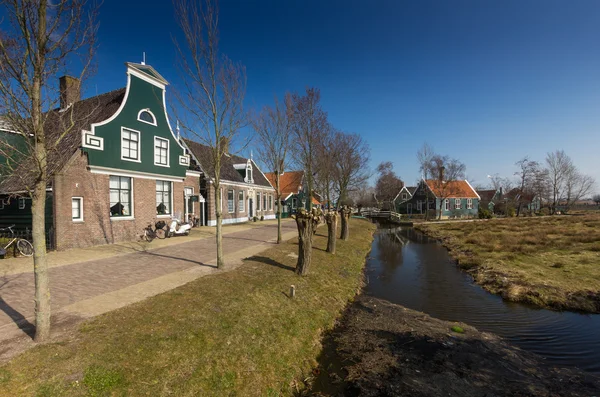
[407, 268]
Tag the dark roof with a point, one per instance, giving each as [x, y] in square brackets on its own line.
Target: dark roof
[517, 194]
[204, 155]
[82, 114]
[487, 195]
[411, 189]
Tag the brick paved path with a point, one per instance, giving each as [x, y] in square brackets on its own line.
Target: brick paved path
[77, 282]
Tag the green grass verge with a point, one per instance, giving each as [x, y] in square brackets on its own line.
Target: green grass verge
[234, 333]
[551, 262]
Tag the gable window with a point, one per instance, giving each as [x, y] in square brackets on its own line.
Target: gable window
[404, 196]
[161, 151]
[146, 116]
[447, 205]
[258, 201]
[77, 209]
[230, 203]
[294, 202]
[130, 145]
[241, 201]
[457, 203]
[163, 198]
[470, 204]
[120, 196]
[22, 203]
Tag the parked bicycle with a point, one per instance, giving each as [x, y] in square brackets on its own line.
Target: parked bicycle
[24, 247]
[159, 231]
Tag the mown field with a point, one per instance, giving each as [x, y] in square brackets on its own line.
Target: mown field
[552, 262]
[234, 333]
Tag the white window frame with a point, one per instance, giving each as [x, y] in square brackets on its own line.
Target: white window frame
[470, 204]
[132, 198]
[270, 202]
[457, 203]
[151, 114]
[139, 145]
[232, 209]
[258, 203]
[80, 199]
[446, 205]
[189, 188]
[21, 203]
[171, 204]
[419, 205]
[241, 206]
[157, 138]
[404, 196]
[249, 173]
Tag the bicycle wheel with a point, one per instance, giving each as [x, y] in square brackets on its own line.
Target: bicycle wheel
[161, 233]
[25, 247]
[148, 235]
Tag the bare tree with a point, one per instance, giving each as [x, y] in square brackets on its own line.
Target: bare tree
[577, 186]
[309, 126]
[272, 127]
[364, 196]
[40, 40]
[351, 169]
[388, 184]
[558, 164]
[528, 169]
[448, 170]
[213, 91]
[596, 199]
[327, 154]
[424, 158]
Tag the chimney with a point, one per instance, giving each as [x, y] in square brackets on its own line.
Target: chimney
[69, 91]
[442, 170]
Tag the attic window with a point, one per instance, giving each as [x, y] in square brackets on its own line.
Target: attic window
[249, 178]
[146, 116]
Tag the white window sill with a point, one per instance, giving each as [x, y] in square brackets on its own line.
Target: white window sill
[164, 216]
[77, 220]
[122, 218]
[162, 165]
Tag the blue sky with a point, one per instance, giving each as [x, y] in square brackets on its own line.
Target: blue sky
[487, 82]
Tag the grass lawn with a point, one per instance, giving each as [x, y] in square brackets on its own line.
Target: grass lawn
[234, 333]
[552, 262]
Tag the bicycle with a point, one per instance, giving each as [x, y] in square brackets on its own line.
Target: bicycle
[158, 231]
[24, 247]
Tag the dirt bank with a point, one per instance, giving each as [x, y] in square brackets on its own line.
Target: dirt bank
[382, 349]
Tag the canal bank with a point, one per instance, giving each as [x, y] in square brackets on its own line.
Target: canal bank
[383, 349]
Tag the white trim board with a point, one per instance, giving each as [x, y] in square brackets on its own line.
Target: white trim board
[94, 169]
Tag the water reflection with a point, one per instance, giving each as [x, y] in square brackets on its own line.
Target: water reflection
[407, 268]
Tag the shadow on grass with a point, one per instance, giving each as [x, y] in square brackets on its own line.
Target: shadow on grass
[271, 262]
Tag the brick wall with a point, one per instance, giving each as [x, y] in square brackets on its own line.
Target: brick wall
[97, 226]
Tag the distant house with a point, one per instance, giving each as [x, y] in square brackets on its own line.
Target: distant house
[245, 190]
[293, 191]
[456, 199]
[528, 201]
[490, 198]
[402, 198]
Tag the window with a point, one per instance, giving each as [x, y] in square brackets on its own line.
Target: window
[271, 202]
[404, 196]
[120, 196]
[130, 145]
[457, 203]
[409, 208]
[241, 201]
[470, 204]
[264, 201]
[258, 201]
[146, 116]
[447, 205]
[163, 198]
[188, 193]
[22, 203]
[77, 209]
[230, 198]
[294, 202]
[161, 151]
[419, 205]
[249, 174]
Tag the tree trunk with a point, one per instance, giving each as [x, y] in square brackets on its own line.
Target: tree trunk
[279, 209]
[331, 219]
[345, 214]
[40, 263]
[306, 221]
[219, 213]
